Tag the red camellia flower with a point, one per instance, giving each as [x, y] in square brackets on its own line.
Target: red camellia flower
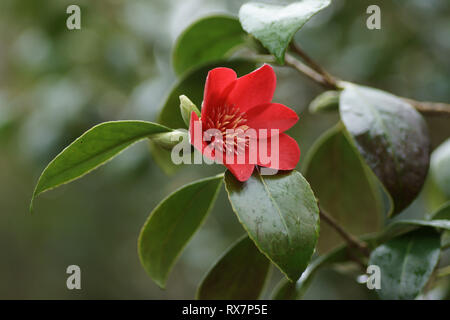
[236, 107]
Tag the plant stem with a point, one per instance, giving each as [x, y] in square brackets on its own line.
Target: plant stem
[309, 72]
[349, 238]
[318, 74]
[430, 108]
[330, 80]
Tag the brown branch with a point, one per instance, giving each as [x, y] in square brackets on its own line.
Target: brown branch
[349, 238]
[318, 74]
[309, 72]
[329, 79]
[430, 108]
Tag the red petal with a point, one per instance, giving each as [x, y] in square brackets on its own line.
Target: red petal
[242, 172]
[271, 116]
[217, 80]
[288, 153]
[195, 137]
[253, 89]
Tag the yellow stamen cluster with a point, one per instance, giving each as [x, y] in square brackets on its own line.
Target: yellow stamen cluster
[231, 119]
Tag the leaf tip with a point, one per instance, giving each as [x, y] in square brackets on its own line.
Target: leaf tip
[30, 208]
[33, 197]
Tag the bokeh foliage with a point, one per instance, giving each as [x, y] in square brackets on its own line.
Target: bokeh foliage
[55, 84]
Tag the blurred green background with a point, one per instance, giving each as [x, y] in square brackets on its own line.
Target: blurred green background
[56, 83]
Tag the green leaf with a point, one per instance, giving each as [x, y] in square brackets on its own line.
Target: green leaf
[406, 263]
[433, 195]
[440, 167]
[443, 213]
[336, 173]
[443, 224]
[207, 40]
[240, 274]
[437, 186]
[96, 146]
[437, 223]
[391, 136]
[192, 85]
[280, 215]
[445, 240]
[403, 226]
[439, 220]
[325, 102]
[275, 25]
[287, 290]
[172, 223]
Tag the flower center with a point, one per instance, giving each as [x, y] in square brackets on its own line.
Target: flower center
[230, 121]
